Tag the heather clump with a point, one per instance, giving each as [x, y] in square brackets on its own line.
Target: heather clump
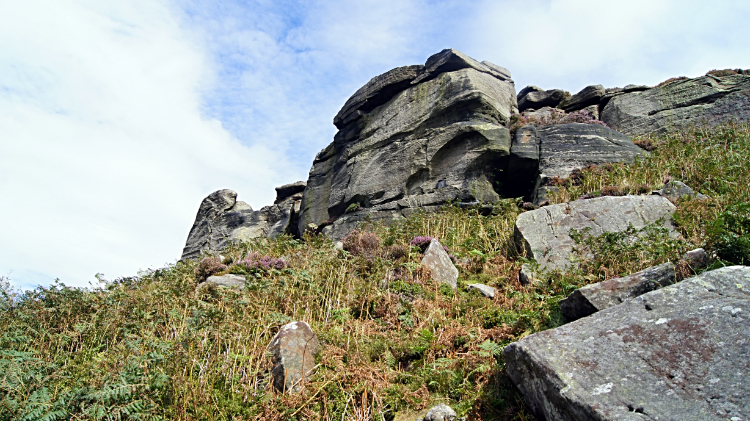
[209, 266]
[362, 243]
[421, 242]
[255, 261]
[550, 116]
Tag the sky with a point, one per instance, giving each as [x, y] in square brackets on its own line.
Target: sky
[118, 117]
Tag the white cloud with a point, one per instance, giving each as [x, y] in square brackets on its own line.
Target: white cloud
[104, 154]
[573, 43]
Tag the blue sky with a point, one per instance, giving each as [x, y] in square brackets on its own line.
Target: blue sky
[118, 117]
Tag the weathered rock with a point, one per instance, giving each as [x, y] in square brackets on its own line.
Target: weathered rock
[227, 280]
[288, 190]
[441, 139]
[526, 275]
[566, 147]
[450, 60]
[376, 92]
[589, 95]
[596, 297]
[679, 104]
[697, 259]
[674, 190]
[523, 162]
[294, 348]
[221, 219]
[525, 91]
[483, 289]
[538, 99]
[678, 353]
[440, 412]
[544, 233]
[439, 263]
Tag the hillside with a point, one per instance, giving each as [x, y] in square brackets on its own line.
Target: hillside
[165, 346]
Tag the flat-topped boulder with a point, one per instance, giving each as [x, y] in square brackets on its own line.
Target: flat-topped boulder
[544, 233]
[680, 103]
[533, 97]
[678, 353]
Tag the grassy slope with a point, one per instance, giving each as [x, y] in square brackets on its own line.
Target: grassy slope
[158, 347]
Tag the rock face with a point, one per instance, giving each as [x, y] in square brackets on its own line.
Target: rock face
[679, 104]
[221, 218]
[544, 233]
[566, 147]
[535, 98]
[678, 353]
[588, 96]
[439, 263]
[441, 138]
[596, 297]
[293, 349]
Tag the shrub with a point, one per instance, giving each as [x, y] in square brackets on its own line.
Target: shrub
[255, 262]
[207, 267]
[730, 235]
[421, 242]
[360, 243]
[725, 72]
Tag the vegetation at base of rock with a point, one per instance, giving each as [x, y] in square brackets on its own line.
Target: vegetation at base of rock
[556, 116]
[163, 346]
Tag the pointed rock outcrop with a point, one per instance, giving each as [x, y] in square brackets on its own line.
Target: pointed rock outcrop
[294, 348]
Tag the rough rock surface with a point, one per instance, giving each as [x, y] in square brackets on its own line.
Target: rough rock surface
[673, 190]
[596, 297]
[679, 104]
[538, 98]
[441, 139]
[526, 275]
[566, 147]
[288, 190]
[544, 233]
[483, 289]
[440, 412]
[227, 280]
[439, 263]
[222, 218]
[293, 348]
[589, 95]
[678, 353]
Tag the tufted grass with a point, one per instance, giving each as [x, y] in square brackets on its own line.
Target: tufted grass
[161, 346]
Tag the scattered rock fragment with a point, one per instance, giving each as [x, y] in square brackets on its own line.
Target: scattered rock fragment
[440, 412]
[293, 348]
[228, 280]
[674, 190]
[596, 297]
[483, 289]
[526, 275]
[439, 263]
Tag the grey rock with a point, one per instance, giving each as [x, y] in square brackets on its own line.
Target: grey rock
[483, 289]
[566, 147]
[525, 91]
[589, 95]
[226, 280]
[439, 263]
[523, 162]
[678, 353]
[674, 190]
[376, 92]
[294, 348]
[526, 275]
[288, 190]
[222, 218]
[440, 412]
[635, 88]
[680, 104]
[596, 297]
[544, 233]
[697, 259]
[539, 99]
[450, 60]
[440, 140]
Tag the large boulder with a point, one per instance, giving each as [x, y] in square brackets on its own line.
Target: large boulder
[588, 96]
[442, 138]
[680, 103]
[437, 260]
[533, 97]
[539, 154]
[544, 233]
[293, 348]
[678, 353]
[222, 218]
